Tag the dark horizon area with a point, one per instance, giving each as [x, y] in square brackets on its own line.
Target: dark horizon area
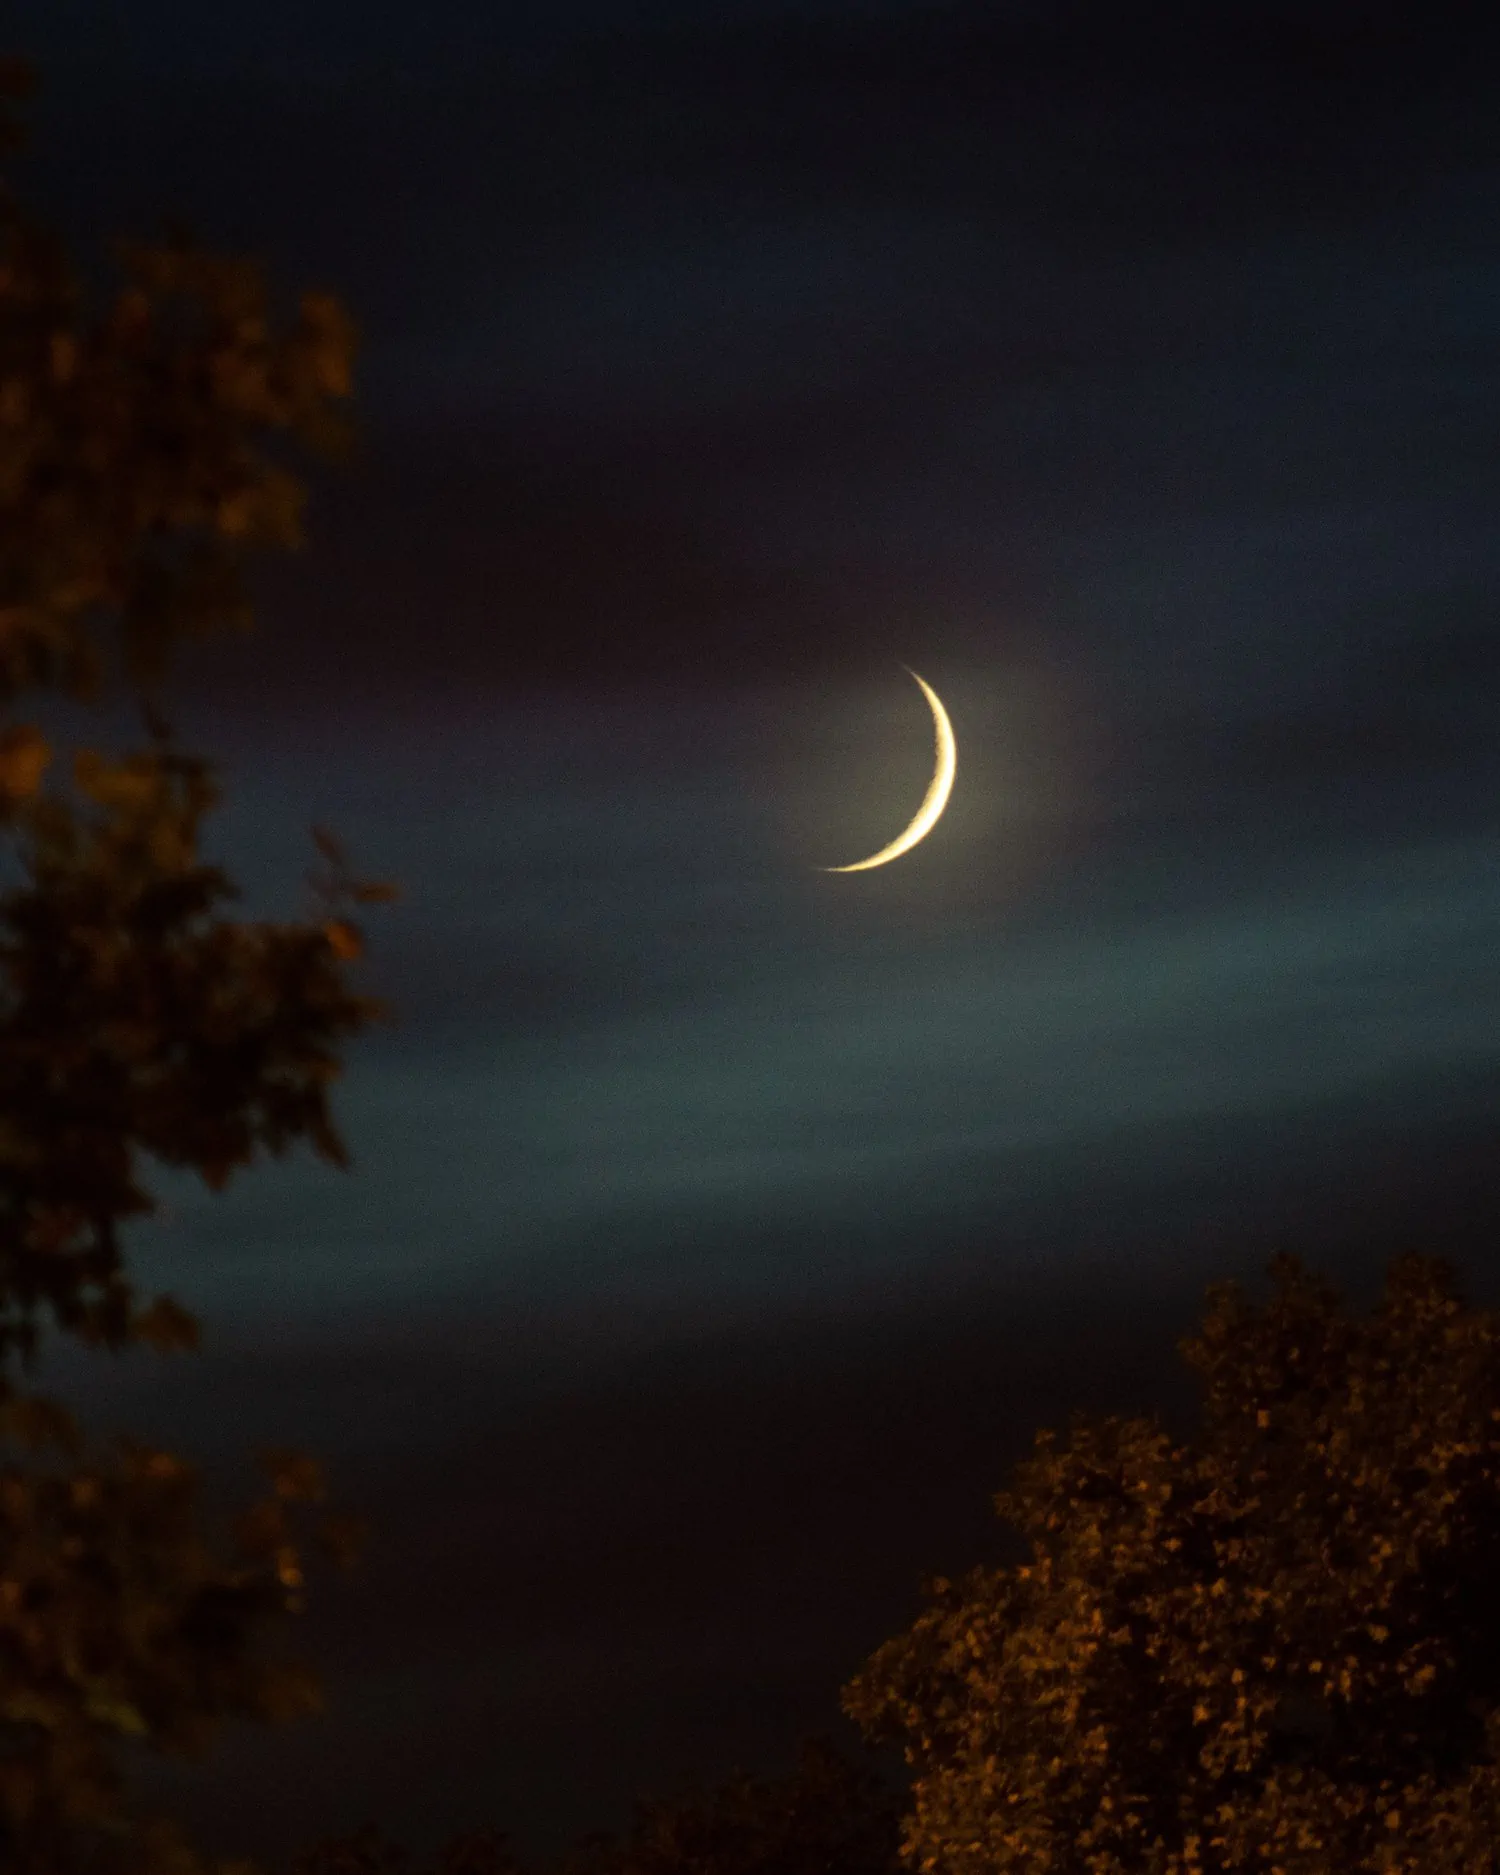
[720, 1230]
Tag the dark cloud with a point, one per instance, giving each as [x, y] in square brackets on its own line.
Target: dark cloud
[1171, 122]
[724, 340]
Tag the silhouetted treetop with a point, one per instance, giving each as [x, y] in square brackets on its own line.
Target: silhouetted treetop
[1273, 1646]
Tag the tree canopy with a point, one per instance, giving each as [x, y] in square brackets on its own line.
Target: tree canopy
[1273, 1646]
[144, 455]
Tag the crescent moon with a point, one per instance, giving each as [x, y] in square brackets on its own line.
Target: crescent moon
[938, 789]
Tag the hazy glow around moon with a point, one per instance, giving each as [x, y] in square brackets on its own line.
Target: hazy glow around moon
[938, 789]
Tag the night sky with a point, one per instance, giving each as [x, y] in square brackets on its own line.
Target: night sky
[720, 1229]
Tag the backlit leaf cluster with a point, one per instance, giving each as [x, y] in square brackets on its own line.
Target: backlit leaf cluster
[143, 1026]
[140, 1025]
[142, 448]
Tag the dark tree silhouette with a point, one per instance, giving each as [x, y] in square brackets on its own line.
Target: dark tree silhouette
[828, 1817]
[1275, 1646]
[368, 1852]
[143, 456]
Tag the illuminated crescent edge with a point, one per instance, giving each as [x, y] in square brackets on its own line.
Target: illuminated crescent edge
[938, 789]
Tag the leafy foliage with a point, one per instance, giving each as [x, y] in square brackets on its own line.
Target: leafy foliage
[137, 463]
[1276, 1647]
[140, 1024]
[120, 1622]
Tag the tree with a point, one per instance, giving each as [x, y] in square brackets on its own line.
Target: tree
[147, 448]
[828, 1817]
[368, 1852]
[1273, 1647]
